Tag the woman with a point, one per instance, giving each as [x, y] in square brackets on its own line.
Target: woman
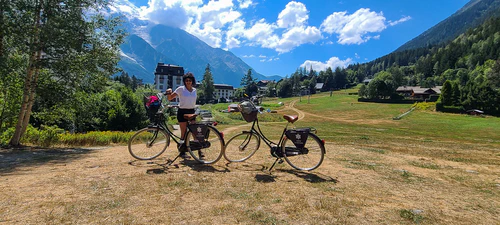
[187, 101]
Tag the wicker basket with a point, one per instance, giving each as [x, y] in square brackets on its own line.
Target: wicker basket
[248, 111]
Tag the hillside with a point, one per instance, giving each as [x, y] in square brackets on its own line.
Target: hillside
[471, 15]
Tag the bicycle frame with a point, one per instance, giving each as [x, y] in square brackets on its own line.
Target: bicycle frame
[273, 146]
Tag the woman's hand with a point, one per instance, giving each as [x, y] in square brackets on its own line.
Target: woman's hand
[168, 91]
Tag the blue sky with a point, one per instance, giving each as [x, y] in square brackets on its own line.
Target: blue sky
[275, 37]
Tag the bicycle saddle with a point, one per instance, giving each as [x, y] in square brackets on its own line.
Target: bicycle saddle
[190, 116]
[291, 118]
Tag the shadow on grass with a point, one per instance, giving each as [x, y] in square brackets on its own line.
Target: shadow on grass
[265, 178]
[168, 165]
[11, 159]
[311, 177]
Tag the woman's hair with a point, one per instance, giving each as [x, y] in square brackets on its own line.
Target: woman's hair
[190, 76]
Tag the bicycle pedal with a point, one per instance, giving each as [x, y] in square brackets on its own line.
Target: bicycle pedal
[281, 161]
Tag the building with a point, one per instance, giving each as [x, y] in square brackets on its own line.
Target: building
[318, 87]
[168, 76]
[262, 85]
[224, 91]
[417, 92]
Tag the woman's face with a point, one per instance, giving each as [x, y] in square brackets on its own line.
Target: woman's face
[188, 82]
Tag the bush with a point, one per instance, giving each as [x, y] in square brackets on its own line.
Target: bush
[6, 136]
[49, 135]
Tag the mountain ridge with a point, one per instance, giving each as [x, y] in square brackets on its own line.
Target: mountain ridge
[175, 46]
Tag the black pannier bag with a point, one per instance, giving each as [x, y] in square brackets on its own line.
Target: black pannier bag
[200, 133]
[298, 138]
[248, 111]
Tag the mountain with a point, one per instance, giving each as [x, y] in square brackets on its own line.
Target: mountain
[471, 15]
[175, 46]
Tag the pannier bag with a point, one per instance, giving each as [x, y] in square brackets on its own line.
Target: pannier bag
[200, 133]
[298, 136]
[248, 111]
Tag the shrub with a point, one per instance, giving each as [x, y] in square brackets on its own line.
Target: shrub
[6, 136]
[49, 135]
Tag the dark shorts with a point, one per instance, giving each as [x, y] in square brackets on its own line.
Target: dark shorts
[181, 112]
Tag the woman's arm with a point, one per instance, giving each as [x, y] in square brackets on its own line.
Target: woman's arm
[170, 95]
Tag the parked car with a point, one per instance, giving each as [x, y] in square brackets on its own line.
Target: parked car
[207, 117]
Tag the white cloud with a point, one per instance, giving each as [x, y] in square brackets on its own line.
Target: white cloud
[248, 56]
[235, 30]
[294, 14]
[263, 34]
[175, 13]
[404, 19]
[262, 56]
[220, 23]
[297, 36]
[245, 3]
[333, 63]
[353, 29]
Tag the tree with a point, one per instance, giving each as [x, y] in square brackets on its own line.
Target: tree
[446, 94]
[284, 88]
[207, 85]
[362, 92]
[68, 43]
[249, 83]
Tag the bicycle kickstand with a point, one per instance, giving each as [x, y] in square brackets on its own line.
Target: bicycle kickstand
[276, 161]
[169, 162]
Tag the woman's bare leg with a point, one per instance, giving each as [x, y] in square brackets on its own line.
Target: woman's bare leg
[183, 126]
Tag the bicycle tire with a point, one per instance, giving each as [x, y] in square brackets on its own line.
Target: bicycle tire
[148, 143]
[241, 147]
[309, 161]
[212, 146]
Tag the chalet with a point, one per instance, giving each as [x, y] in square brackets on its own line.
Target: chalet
[417, 92]
[262, 85]
[319, 86]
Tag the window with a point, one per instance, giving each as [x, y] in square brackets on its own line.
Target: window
[178, 80]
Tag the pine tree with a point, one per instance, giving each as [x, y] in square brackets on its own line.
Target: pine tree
[207, 85]
[249, 83]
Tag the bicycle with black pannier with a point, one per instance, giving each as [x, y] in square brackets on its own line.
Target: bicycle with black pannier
[301, 148]
[202, 140]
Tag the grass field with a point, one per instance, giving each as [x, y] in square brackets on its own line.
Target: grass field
[426, 168]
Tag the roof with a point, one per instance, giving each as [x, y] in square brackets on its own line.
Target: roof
[224, 86]
[419, 90]
[319, 85]
[475, 110]
[169, 69]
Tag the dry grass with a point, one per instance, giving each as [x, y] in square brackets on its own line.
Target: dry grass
[362, 182]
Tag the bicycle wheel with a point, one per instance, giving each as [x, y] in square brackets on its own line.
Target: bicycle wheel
[308, 158]
[148, 143]
[206, 151]
[241, 147]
